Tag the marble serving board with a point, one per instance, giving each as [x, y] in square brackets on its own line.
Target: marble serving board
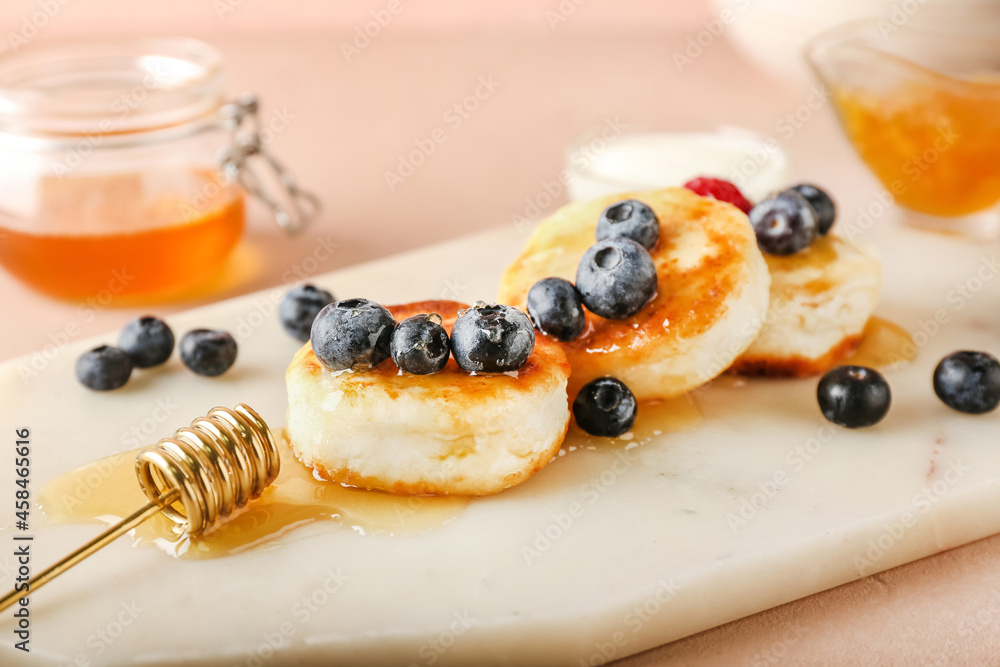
[604, 553]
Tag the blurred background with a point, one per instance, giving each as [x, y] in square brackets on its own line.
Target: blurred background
[351, 89]
[417, 122]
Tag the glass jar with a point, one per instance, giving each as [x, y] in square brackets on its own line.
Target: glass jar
[123, 167]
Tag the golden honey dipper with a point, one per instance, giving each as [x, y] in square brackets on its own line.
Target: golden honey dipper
[197, 478]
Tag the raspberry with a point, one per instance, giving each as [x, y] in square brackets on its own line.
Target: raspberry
[719, 189]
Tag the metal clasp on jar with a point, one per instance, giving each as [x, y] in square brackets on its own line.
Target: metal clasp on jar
[293, 208]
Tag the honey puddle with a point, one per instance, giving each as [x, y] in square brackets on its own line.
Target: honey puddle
[107, 490]
[883, 344]
[654, 418]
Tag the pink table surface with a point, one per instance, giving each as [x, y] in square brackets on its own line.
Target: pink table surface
[349, 123]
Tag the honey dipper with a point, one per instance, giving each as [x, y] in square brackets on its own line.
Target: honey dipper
[197, 477]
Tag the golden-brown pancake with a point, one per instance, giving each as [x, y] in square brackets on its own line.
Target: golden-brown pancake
[711, 296]
[821, 299]
[450, 432]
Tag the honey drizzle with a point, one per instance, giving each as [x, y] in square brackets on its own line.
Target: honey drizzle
[679, 414]
[883, 345]
[106, 490]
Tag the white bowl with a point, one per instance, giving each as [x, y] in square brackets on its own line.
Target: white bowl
[756, 165]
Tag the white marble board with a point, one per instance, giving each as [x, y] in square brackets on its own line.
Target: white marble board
[652, 556]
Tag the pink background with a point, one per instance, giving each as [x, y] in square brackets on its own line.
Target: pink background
[613, 58]
[321, 15]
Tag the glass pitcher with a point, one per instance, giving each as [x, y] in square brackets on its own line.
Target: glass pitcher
[919, 100]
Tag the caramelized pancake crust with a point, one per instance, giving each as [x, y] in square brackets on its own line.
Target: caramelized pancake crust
[821, 299]
[445, 433]
[711, 295]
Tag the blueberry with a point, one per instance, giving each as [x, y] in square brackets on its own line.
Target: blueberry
[208, 351]
[605, 407]
[103, 368]
[785, 223]
[616, 278]
[556, 309]
[826, 210]
[420, 344]
[299, 308]
[352, 334]
[968, 382]
[148, 341]
[492, 338]
[854, 396]
[630, 219]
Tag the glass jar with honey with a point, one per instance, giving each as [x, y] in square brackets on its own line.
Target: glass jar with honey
[919, 98]
[122, 165]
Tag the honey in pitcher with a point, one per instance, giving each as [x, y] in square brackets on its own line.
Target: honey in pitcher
[934, 145]
[154, 233]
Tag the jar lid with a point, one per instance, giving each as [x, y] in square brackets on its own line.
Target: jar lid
[108, 85]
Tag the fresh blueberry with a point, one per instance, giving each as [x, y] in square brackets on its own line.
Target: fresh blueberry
[208, 351]
[784, 223]
[556, 309]
[352, 334]
[968, 382]
[616, 278]
[420, 344]
[822, 203]
[630, 219]
[299, 308]
[605, 407]
[492, 338]
[854, 396]
[148, 341]
[103, 368]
